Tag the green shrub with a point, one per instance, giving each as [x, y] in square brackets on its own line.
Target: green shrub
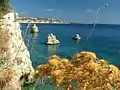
[4, 7]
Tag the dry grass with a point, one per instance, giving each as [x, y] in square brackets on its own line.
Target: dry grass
[6, 76]
[8, 81]
[4, 38]
[4, 45]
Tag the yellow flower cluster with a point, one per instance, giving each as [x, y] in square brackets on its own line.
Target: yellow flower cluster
[85, 69]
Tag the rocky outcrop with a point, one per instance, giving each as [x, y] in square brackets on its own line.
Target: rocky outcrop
[13, 52]
[52, 40]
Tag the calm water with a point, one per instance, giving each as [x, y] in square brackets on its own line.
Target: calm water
[104, 41]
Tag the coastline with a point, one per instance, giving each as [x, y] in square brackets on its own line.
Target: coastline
[40, 20]
[41, 23]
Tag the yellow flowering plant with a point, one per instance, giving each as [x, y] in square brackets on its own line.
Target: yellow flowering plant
[84, 72]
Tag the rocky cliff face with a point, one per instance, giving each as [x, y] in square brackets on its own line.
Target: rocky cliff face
[13, 52]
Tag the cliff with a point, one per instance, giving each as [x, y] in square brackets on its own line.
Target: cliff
[13, 52]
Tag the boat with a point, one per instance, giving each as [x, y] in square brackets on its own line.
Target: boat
[52, 40]
[76, 37]
[34, 29]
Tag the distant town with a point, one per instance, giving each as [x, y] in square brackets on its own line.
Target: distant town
[40, 20]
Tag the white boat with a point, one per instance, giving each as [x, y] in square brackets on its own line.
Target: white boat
[76, 37]
[34, 29]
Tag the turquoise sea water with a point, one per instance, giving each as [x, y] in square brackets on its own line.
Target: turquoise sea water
[104, 41]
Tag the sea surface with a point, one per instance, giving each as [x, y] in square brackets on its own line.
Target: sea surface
[104, 40]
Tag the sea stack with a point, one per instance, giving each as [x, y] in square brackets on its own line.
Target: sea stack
[34, 29]
[52, 40]
[76, 37]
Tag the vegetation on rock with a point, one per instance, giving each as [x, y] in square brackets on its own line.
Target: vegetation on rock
[5, 77]
[4, 38]
[8, 81]
[84, 69]
[4, 7]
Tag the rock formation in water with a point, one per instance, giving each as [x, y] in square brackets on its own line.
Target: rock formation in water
[13, 52]
[52, 40]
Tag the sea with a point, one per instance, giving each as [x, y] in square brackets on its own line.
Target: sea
[103, 40]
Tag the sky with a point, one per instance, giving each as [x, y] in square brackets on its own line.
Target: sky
[82, 11]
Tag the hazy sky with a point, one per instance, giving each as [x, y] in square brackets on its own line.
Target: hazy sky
[82, 11]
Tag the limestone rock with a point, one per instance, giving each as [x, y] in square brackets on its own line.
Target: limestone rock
[14, 53]
[52, 40]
